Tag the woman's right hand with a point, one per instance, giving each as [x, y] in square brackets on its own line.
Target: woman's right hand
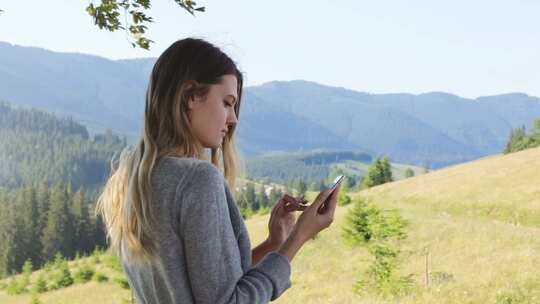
[310, 222]
[317, 217]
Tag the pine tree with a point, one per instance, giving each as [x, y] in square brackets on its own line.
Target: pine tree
[379, 172]
[30, 217]
[516, 138]
[241, 200]
[20, 230]
[535, 134]
[58, 234]
[83, 238]
[27, 272]
[387, 170]
[374, 175]
[251, 197]
[99, 234]
[262, 198]
[43, 196]
[8, 234]
[519, 139]
[409, 173]
[41, 285]
[343, 198]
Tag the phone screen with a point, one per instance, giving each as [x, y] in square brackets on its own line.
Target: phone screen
[337, 181]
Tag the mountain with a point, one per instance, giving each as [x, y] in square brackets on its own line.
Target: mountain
[434, 128]
[91, 89]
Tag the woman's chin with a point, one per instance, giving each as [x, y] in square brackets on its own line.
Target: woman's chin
[215, 145]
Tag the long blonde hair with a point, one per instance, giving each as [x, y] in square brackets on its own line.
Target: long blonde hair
[186, 69]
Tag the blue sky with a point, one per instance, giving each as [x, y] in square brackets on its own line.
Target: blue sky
[469, 48]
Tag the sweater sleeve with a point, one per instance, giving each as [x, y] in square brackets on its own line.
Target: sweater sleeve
[211, 250]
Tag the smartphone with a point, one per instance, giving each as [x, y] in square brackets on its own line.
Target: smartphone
[336, 182]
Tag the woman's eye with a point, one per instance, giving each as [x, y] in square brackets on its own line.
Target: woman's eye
[227, 104]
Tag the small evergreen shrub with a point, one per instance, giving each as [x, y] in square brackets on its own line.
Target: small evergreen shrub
[246, 213]
[365, 222]
[83, 274]
[61, 275]
[41, 285]
[112, 261]
[100, 277]
[343, 198]
[96, 256]
[122, 282]
[35, 299]
[381, 276]
[378, 230]
[16, 287]
[264, 211]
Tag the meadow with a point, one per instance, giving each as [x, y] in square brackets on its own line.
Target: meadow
[473, 237]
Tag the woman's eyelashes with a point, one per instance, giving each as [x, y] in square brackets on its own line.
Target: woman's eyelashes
[227, 104]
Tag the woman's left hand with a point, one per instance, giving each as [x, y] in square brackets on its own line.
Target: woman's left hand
[282, 219]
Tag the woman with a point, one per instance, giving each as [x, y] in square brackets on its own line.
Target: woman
[169, 211]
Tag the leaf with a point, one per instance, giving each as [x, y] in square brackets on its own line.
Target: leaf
[106, 15]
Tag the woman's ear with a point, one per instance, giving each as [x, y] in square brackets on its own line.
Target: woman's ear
[191, 102]
[190, 91]
[194, 101]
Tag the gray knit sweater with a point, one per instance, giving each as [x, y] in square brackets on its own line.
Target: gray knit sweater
[204, 248]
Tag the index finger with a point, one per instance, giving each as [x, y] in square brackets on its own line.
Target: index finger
[292, 204]
[295, 207]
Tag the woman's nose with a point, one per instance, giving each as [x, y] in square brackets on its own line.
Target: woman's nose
[231, 118]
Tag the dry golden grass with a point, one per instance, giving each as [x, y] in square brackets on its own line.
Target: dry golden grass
[480, 223]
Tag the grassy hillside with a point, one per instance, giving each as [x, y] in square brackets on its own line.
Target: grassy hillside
[106, 290]
[480, 223]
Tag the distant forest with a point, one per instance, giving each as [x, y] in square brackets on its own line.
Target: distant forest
[312, 168]
[50, 172]
[36, 223]
[520, 139]
[38, 147]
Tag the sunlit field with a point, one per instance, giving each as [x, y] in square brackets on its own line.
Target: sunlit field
[474, 232]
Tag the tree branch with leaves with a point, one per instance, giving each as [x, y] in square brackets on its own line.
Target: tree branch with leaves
[107, 16]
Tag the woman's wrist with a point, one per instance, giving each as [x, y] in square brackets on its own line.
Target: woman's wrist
[291, 245]
[263, 249]
[272, 244]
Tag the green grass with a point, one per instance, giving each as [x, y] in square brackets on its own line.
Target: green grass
[78, 293]
[479, 222]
